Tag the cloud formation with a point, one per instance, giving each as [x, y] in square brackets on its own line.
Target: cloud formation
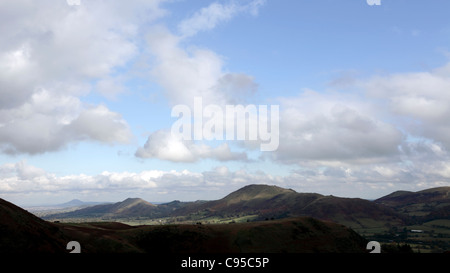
[20, 179]
[163, 145]
[185, 73]
[327, 127]
[48, 122]
[50, 54]
[209, 17]
[421, 99]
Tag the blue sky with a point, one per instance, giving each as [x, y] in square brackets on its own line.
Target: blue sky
[86, 94]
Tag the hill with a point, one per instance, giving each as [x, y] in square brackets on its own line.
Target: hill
[77, 203]
[421, 206]
[252, 202]
[271, 202]
[262, 200]
[396, 211]
[131, 207]
[292, 235]
[22, 232]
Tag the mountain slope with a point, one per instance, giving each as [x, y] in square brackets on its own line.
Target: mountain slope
[403, 198]
[253, 199]
[292, 235]
[21, 231]
[258, 201]
[131, 207]
[353, 212]
[423, 205]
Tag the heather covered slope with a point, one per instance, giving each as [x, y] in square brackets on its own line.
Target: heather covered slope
[258, 201]
[426, 205]
[21, 231]
[292, 235]
[130, 207]
[271, 202]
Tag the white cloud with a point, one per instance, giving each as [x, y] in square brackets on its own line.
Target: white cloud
[185, 73]
[421, 99]
[163, 145]
[327, 127]
[182, 74]
[24, 184]
[50, 55]
[100, 124]
[48, 122]
[209, 17]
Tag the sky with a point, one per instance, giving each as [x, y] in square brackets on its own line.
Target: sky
[89, 92]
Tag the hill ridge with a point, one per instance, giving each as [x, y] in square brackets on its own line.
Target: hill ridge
[23, 232]
[261, 201]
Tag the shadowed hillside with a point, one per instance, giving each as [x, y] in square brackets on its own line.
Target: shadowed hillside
[393, 218]
[271, 202]
[422, 205]
[131, 207]
[256, 202]
[294, 235]
[22, 232]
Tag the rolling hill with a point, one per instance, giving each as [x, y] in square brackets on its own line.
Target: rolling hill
[271, 202]
[421, 206]
[131, 207]
[259, 201]
[298, 221]
[22, 232]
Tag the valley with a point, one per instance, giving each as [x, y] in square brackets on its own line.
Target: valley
[255, 218]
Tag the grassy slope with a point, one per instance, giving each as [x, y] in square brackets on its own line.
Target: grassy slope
[298, 235]
[21, 231]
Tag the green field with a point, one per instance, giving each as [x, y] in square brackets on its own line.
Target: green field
[429, 237]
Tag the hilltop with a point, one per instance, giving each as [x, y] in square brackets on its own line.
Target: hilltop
[421, 206]
[394, 217]
[250, 203]
[22, 232]
[130, 207]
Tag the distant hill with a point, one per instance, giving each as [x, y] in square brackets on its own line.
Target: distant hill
[77, 203]
[260, 201]
[131, 207]
[422, 206]
[263, 202]
[271, 202]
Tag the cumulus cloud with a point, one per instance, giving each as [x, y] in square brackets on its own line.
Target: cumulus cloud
[50, 55]
[320, 126]
[185, 73]
[371, 181]
[163, 145]
[420, 98]
[49, 122]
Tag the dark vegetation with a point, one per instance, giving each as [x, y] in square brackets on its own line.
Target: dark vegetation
[22, 232]
[256, 218]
